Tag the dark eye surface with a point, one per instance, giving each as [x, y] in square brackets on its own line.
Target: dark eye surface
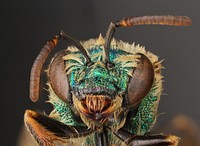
[141, 80]
[57, 77]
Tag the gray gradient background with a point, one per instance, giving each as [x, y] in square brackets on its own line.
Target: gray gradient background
[26, 25]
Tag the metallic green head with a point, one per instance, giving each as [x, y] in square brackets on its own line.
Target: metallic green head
[101, 92]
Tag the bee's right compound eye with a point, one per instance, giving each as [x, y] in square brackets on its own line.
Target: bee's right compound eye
[57, 77]
[141, 81]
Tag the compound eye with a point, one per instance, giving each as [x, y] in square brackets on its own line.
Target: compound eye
[57, 77]
[141, 81]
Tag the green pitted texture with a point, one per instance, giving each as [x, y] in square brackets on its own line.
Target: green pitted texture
[62, 111]
[145, 117]
[98, 75]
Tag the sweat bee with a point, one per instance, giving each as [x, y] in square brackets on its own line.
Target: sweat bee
[104, 92]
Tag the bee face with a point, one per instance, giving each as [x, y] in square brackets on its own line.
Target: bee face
[99, 91]
[97, 88]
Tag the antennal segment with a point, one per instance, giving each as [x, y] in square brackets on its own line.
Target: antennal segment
[76, 43]
[143, 20]
[109, 35]
[153, 20]
[37, 67]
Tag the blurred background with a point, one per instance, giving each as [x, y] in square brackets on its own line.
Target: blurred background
[27, 25]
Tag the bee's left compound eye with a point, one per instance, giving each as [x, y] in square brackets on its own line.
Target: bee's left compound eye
[141, 81]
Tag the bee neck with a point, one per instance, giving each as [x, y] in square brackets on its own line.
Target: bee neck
[101, 137]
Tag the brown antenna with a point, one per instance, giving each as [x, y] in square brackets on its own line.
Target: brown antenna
[76, 43]
[144, 20]
[37, 67]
